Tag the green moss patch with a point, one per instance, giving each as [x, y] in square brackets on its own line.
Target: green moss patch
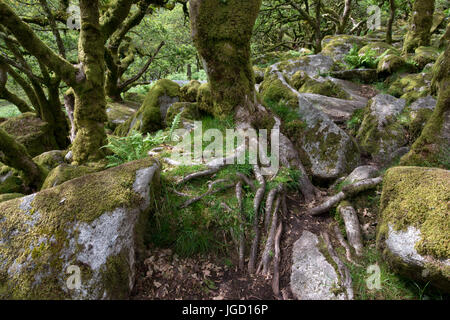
[418, 197]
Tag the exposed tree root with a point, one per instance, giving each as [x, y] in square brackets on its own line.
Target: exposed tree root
[276, 262]
[209, 192]
[351, 189]
[241, 249]
[346, 279]
[265, 260]
[256, 206]
[198, 174]
[348, 252]
[352, 228]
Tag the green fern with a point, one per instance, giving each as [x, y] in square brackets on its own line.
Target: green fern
[135, 146]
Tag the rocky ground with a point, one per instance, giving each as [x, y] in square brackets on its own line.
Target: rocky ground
[351, 137]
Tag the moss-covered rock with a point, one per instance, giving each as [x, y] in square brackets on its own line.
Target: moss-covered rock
[151, 115]
[10, 181]
[189, 91]
[9, 196]
[204, 99]
[65, 172]
[424, 56]
[338, 46]
[361, 75]
[259, 74]
[414, 228]
[50, 159]
[411, 87]
[438, 21]
[379, 48]
[325, 150]
[134, 97]
[188, 110]
[298, 79]
[380, 134]
[432, 148]
[325, 88]
[118, 113]
[92, 226]
[32, 132]
[392, 63]
[416, 116]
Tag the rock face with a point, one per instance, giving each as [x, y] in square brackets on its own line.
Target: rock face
[337, 47]
[118, 113]
[411, 87]
[313, 277]
[65, 172]
[361, 173]
[32, 132]
[151, 115]
[380, 134]
[425, 55]
[414, 230]
[50, 160]
[91, 226]
[10, 181]
[325, 149]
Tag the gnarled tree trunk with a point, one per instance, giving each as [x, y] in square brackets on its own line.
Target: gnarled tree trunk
[432, 148]
[15, 155]
[419, 25]
[221, 31]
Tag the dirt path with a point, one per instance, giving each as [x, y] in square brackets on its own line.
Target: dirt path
[164, 275]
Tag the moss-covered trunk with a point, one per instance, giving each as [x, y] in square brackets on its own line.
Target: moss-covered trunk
[419, 26]
[221, 31]
[392, 9]
[90, 103]
[432, 148]
[15, 155]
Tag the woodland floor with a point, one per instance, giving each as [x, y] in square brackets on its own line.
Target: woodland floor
[164, 275]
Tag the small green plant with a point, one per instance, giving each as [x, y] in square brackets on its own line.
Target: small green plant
[136, 146]
[369, 59]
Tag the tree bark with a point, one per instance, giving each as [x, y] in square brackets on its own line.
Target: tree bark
[392, 9]
[419, 26]
[432, 148]
[90, 102]
[15, 155]
[221, 32]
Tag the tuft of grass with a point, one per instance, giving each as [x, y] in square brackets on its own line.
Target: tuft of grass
[393, 286]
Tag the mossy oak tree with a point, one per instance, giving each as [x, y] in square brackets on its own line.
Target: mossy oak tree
[419, 26]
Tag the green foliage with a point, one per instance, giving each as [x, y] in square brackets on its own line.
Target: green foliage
[393, 286]
[369, 59]
[282, 110]
[136, 146]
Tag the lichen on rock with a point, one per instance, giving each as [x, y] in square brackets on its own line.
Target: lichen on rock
[82, 224]
[152, 113]
[414, 227]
